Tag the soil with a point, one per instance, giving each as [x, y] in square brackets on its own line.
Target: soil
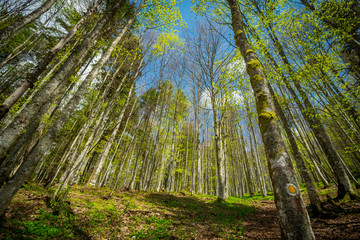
[344, 222]
[264, 223]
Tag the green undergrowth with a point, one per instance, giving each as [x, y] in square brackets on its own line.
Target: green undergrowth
[327, 192]
[251, 199]
[93, 214]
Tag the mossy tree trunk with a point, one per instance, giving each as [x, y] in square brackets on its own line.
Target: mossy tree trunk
[294, 219]
[33, 77]
[32, 156]
[54, 86]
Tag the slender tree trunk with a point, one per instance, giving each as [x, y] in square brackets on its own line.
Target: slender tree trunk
[246, 163]
[94, 178]
[220, 161]
[33, 77]
[255, 151]
[23, 46]
[23, 21]
[313, 196]
[131, 185]
[156, 143]
[171, 179]
[310, 115]
[18, 125]
[10, 189]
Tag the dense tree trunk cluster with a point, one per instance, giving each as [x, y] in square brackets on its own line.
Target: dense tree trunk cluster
[103, 94]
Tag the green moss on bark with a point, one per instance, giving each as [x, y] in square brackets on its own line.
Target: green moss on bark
[249, 51]
[238, 32]
[253, 64]
[264, 116]
[267, 115]
[261, 103]
[256, 79]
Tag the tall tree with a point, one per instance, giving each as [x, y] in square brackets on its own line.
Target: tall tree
[294, 219]
[24, 20]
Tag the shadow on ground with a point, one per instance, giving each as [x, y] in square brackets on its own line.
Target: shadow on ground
[206, 216]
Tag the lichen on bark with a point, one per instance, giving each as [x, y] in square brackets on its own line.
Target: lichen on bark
[253, 64]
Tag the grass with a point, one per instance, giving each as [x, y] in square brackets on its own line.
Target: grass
[250, 199]
[91, 214]
[42, 224]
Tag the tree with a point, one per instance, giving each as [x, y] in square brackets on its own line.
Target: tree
[208, 53]
[294, 221]
[32, 77]
[24, 20]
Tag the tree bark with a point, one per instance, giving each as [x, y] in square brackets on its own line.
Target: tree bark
[23, 21]
[94, 178]
[220, 161]
[18, 125]
[313, 196]
[294, 220]
[246, 163]
[33, 77]
[310, 115]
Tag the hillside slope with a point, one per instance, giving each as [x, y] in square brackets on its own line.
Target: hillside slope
[92, 214]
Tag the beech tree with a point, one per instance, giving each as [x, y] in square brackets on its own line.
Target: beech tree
[32, 77]
[294, 221]
[22, 21]
[109, 94]
[206, 52]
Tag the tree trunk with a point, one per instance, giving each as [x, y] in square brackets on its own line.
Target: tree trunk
[25, 20]
[294, 220]
[313, 196]
[94, 178]
[18, 125]
[222, 191]
[33, 77]
[246, 161]
[310, 115]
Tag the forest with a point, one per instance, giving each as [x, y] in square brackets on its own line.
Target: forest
[170, 119]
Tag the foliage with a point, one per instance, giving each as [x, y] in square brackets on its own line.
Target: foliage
[167, 41]
[162, 15]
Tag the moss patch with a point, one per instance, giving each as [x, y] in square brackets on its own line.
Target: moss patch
[253, 64]
[249, 51]
[264, 116]
[267, 115]
[238, 32]
[256, 79]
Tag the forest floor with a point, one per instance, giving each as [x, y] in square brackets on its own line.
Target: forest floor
[91, 214]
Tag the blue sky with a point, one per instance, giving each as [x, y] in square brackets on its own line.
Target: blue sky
[185, 9]
[188, 16]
